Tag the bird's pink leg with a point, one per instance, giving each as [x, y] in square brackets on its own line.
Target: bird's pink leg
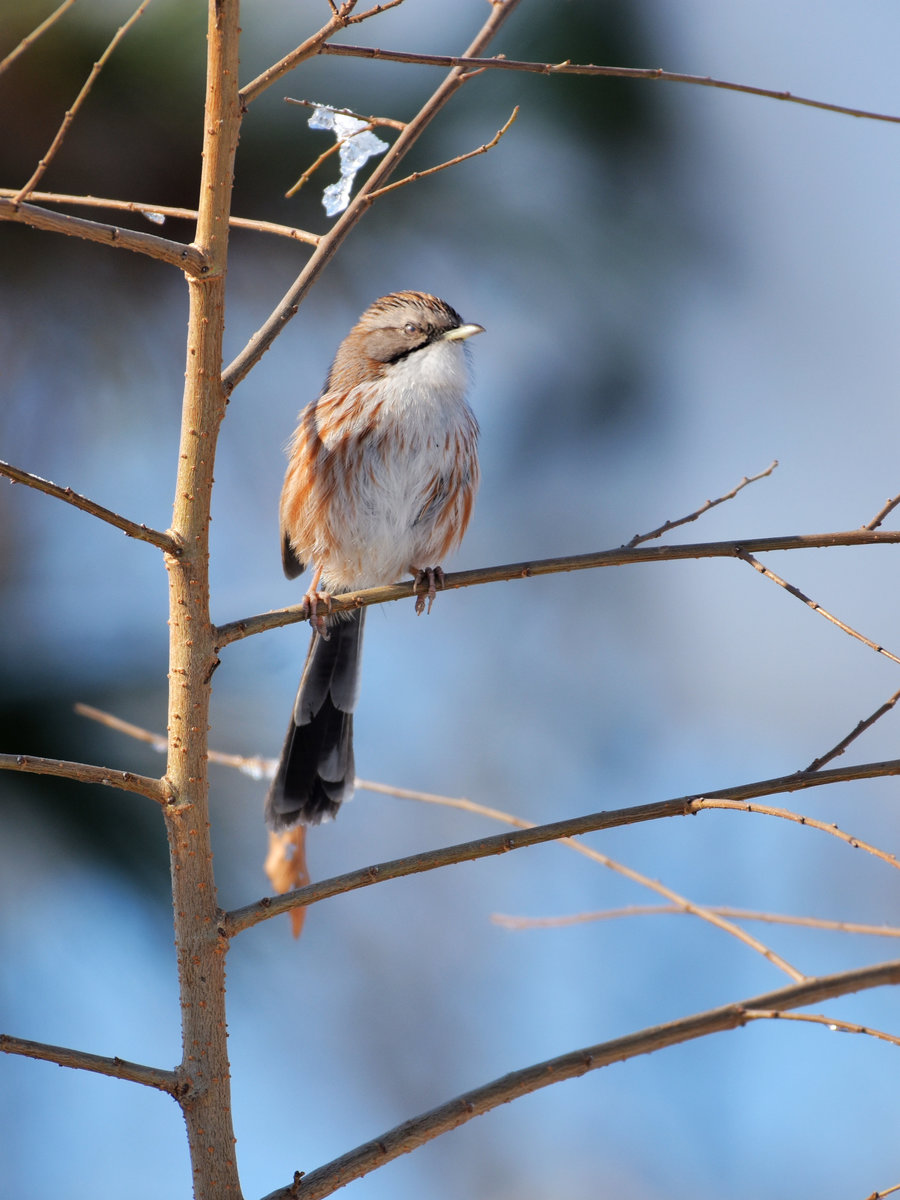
[434, 577]
[312, 600]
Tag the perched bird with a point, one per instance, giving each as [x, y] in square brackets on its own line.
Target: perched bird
[381, 478]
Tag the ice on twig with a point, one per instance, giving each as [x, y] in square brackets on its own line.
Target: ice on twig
[356, 149]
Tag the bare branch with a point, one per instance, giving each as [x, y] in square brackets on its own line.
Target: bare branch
[80, 1060]
[142, 532]
[187, 258]
[623, 556]
[34, 35]
[654, 885]
[98, 66]
[167, 210]
[430, 860]
[416, 175]
[125, 781]
[390, 1145]
[323, 158]
[861, 727]
[389, 122]
[340, 18]
[823, 612]
[666, 526]
[785, 815]
[725, 910]
[882, 513]
[817, 1019]
[880, 1194]
[570, 68]
[260, 342]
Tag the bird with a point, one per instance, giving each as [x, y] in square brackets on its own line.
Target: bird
[381, 479]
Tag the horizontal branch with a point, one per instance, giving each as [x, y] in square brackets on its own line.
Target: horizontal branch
[411, 1134]
[80, 1060]
[125, 781]
[166, 210]
[570, 68]
[271, 906]
[187, 258]
[623, 556]
[143, 533]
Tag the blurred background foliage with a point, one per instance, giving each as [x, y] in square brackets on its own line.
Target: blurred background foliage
[678, 286]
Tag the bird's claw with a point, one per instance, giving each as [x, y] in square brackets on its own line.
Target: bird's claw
[434, 577]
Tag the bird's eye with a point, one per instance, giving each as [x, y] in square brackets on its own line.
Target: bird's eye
[410, 328]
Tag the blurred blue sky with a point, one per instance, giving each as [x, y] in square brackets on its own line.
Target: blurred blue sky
[747, 280]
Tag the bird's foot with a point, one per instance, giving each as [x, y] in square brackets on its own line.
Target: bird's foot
[434, 577]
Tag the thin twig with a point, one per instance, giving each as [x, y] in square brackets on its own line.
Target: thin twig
[187, 258]
[323, 158]
[168, 210]
[816, 607]
[340, 18]
[831, 1023]
[685, 905]
[861, 727]
[570, 68]
[290, 303]
[882, 513]
[131, 528]
[881, 1193]
[252, 914]
[667, 525]
[125, 781]
[80, 1060]
[32, 37]
[325, 1180]
[247, 626]
[98, 66]
[255, 766]
[785, 815]
[388, 122]
[645, 910]
[416, 175]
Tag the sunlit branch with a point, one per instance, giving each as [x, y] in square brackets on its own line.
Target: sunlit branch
[430, 860]
[98, 66]
[232, 631]
[704, 508]
[125, 781]
[401, 1139]
[831, 1023]
[814, 605]
[80, 1060]
[144, 534]
[570, 68]
[882, 513]
[168, 210]
[861, 727]
[187, 258]
[32, 37]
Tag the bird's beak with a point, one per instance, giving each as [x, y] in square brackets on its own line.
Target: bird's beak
[461, 332]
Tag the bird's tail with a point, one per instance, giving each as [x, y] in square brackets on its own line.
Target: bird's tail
[316, 770]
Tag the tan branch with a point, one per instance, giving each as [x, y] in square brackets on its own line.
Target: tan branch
[247, 626]
[785, 815]
[125, 781]
[400, 1140]
[570, 68]
[340, 19]
[725, 910]
[704, 508]
[688, 906]
[32, 37]
[861, 727]
[416, 175]
[163, 540]
[882, 513]
[290, 303]
[168, 210]
[187, 258]
[80, 1060]
[430, 860]
[814, 605]
[388, 122]
[323, 158]
[831, 1023]
[98, 66]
